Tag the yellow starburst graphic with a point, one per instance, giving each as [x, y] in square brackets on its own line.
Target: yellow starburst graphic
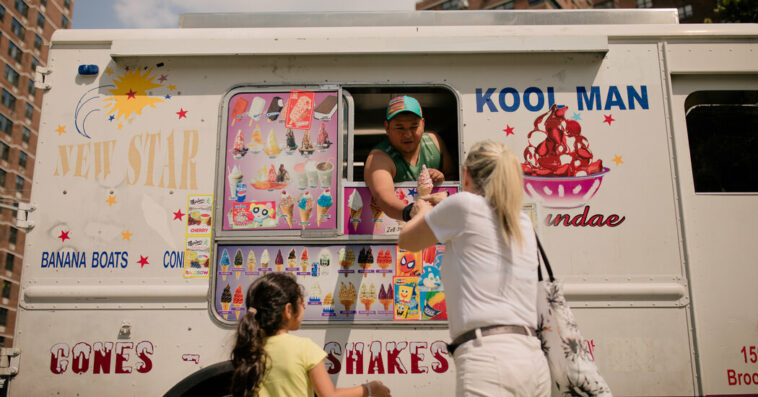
[130, 95]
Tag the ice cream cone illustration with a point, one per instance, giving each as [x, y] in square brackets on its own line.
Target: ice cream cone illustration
[347, 295]
[355, 204]
[376, 214]
[384, 260]
[225, 262]
[323, 204]
[292, 259]
[287, 204]
[304, 260]
[279, 261]
[368, 296]
[251, 263]
[425, 184]
[346, 258]
[305, 207]
[238, 263]
[386, 296]
[238, 301]
[265, 260]
[365, 260]
[226, 300]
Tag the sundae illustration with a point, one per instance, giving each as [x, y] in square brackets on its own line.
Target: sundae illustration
[256, 141]
[239, 150]
[306, 146]
[558, 165]
[323, 141]
[272, 146]
[290, 144]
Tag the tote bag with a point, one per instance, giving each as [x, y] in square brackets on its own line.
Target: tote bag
[572, 369]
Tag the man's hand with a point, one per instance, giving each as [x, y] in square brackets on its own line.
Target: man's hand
[436, 175]
[435, 198]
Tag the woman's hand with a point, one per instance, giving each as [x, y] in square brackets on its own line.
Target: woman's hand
[435, 198]
[420, 207]
[378, 389]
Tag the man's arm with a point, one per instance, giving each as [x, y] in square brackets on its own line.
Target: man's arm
[378, 174]
[448, 168]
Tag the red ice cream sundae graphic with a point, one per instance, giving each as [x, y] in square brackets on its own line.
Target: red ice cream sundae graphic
[558, 165]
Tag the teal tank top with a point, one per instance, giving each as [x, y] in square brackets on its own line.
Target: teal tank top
[428, 154]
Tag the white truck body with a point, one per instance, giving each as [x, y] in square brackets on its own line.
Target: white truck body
[660, 276]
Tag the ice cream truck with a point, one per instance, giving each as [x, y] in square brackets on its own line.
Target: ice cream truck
[176, 166]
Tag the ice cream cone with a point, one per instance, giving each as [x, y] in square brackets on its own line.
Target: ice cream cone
[237, 314]
[225, 309]
[305, 214]
[347, 304]
[355, 217]
[237, 273]
[223, 269]
[278, 268]
[321, 213]
[287, 213]
[386, 303]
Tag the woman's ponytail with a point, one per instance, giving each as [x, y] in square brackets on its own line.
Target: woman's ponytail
[497, 174]
[248, 356]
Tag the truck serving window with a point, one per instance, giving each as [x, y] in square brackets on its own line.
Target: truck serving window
[722, 129]
[439, 105]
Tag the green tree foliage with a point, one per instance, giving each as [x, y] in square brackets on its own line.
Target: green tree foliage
[737, 11]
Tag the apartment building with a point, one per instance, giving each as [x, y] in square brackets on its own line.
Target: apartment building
[26, 27]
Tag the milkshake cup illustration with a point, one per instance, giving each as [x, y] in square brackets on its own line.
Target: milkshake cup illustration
[310, 169]
[325, 170]
[300, 176]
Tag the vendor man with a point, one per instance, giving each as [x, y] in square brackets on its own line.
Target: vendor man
[399, 157]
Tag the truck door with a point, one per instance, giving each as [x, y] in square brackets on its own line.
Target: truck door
[715, 122]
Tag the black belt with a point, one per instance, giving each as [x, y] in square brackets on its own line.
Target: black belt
[490, 330]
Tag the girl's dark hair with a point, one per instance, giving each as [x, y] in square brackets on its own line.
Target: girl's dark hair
[268, 295]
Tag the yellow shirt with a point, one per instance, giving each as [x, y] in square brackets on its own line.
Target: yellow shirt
[291, 357]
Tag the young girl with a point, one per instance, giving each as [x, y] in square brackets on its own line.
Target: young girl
[268, 361]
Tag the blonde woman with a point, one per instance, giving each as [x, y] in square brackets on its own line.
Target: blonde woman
[490, 276]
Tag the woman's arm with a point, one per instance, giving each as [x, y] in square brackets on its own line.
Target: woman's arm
[324, 387]
[416, 234]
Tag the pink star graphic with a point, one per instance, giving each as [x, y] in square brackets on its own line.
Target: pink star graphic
[608, 119]
[162, 78]
[64, 236]
[143, 261]
[508, 130]
[182, 113]
[178, 215]
[130, 94]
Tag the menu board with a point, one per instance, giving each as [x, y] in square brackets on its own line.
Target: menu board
[363, 217]
[281, 161]
[353, 282]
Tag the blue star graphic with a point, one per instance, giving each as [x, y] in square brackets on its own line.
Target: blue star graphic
[111, 118]
[168, 96]
[576, 117]
[412, 192]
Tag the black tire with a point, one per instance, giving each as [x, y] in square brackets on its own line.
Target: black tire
[211, 381]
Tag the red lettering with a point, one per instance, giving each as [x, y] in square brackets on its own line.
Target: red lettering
[439, 348]
[581, 220]
[144, 349]
[122, 356]
[735, 378]
[417, 357]
[80, 362]
[393, 363]
[333, 351]
[102, 361]
[58, 358]
[354, 354]
[375, 363]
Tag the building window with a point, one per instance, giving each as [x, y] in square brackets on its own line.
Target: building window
[685, 11]
[8, 100]
[67, 4]
[454, 4]
[22, 156]
[35, 63]
[508, 5]
[37, 42]
[14, 52]
[644, 3]
[19, 183]
[6, 125]
[18, 29]
[22, 8]
[3, 316]
[605, 4]
[2, 13]
[2, 178]
[43, 2]
[7, 289]
[11, 75]
[30, 87]
[40, 20]
[29, 111]
[26, 135]
[10, 261]
[12, 234]
[4, 150]
[64, 22]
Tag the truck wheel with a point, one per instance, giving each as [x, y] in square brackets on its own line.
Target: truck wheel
[210, 381]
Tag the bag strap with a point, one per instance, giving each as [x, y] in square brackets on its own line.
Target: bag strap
[544, 260]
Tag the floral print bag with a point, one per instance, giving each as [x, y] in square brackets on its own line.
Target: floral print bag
[572, 368]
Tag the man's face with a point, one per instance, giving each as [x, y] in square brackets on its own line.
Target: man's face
[405, 131]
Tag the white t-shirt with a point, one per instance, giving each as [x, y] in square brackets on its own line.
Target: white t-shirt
[486, 282]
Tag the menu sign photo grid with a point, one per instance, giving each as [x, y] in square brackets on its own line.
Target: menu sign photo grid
[281, 161]
[352, 282]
